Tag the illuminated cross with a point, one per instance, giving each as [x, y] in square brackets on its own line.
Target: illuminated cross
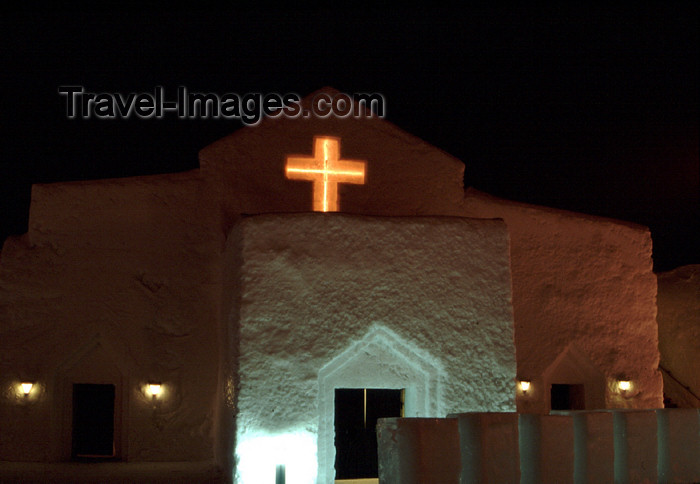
[325, 169]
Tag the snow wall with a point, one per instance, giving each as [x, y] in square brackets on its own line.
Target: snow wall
[331, 301]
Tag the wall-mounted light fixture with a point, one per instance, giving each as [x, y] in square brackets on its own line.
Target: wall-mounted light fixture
[154, 389]
[26, 387]
[624, 385]
[524, 386]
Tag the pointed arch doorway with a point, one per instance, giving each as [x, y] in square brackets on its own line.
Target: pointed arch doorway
[573, 382]
[383, 362]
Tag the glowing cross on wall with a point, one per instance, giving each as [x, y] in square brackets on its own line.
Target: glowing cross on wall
[325, 169]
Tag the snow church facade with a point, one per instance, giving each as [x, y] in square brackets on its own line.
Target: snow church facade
[230, 327]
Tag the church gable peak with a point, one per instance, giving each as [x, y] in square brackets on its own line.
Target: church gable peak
[402, 175]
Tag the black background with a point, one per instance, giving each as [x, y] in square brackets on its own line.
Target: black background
[582, 109]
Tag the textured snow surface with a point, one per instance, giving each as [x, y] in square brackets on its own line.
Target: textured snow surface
[313, 285]
[114, 283]
[489, 447]
[582, 284]
[679, 332]
[401, 441]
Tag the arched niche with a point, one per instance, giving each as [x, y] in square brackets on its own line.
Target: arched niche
[573, 368]
[381, 359]
[95, 362]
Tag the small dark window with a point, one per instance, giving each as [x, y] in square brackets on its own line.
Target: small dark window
[93, 421]
[356, 414]
[567, 397]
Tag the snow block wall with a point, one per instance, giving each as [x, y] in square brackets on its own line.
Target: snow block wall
[419, 450]
[593, 449]
[331, 301]
[115, 283]
[489, 447]
[584, 299]
[625, 446]
[679, 334]
[546, 448]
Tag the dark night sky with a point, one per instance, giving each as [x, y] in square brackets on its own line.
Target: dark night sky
[588, 110]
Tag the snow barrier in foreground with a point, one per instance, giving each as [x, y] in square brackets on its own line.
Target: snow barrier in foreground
[579, 446]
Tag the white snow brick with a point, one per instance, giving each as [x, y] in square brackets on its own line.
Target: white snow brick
[546, 448]
[489, 443]
[679, 444]
[635, 446]
[594, 447]
[418, 451]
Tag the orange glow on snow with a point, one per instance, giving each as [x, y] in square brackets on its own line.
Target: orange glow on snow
[325, 169]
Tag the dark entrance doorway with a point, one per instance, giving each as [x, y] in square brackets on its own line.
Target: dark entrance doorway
[356, 414]
[567, 397]
[93, 421]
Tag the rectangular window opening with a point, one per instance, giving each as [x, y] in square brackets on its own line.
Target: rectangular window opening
[356, 413]
[93, 421]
